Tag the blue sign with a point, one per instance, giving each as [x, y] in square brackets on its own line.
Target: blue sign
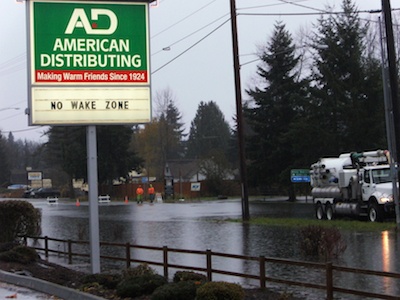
[300, 175]
[300, 179]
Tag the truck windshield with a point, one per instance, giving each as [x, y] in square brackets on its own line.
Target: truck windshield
[381, 175]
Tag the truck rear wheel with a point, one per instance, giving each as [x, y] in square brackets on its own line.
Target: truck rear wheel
[329, 212]
[319, 211]
[375, 213]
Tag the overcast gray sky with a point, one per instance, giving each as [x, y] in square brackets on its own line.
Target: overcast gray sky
[198, 65]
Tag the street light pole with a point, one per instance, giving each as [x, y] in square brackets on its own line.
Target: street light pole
[239, 115]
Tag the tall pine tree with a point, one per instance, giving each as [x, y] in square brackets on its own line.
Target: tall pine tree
[348, 98]
[209, 133]
[161, 140]
[273, 107]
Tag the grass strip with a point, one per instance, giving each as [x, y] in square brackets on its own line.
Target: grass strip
[343, 224]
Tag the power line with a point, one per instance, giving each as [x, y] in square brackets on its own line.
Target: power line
[181, 20]
[310, 13]
[265, 5]
[22, 130]
[14, 64]
[189, 35]
[303, 6]
[187, 49]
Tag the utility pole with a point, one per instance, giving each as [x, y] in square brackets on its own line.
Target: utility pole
[392, 70]
[239, 115]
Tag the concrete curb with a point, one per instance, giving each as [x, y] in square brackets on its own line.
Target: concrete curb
[45, 287]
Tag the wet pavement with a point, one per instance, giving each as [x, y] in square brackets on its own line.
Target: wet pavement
[11, 291]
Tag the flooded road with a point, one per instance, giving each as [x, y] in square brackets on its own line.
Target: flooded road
[203, 225]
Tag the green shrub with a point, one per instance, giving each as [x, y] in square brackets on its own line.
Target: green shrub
[189, 276]
[142, 269]
[220, 291]
[107, 280]
[321, 241]
[8, 246]
[139, 285]
[18, 218]
[21, 254]
[183, 290]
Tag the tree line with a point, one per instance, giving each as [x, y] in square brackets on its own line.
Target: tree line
[309, 100]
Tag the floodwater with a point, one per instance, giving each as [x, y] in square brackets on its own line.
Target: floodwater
[204, 225]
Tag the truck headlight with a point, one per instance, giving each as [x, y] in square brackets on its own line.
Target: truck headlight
[387, 199]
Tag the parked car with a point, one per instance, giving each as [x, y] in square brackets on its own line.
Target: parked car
[29, 193]
[44, 193]
[17, 186]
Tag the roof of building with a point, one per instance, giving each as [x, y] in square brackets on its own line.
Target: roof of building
[183, 168]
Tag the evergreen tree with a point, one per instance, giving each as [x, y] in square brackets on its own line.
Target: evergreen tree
[275, 104]
[348, 94]
[172, 135]
[66, 153]
[209, 133]
[209, 142]
[4, 163]
[67, 149]
[162, 139]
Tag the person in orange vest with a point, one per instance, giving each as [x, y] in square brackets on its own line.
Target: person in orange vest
[150, 192]
[139, 194]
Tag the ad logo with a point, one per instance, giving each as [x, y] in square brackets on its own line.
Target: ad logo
[79, 19]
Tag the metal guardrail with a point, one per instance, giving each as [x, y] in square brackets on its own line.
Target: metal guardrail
[262, 261]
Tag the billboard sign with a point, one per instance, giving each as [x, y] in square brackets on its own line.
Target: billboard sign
[89, 62]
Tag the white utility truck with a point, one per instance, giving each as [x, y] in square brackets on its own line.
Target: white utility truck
[353, 184]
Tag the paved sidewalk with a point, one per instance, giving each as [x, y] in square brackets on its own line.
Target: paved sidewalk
[10, 291]
[13, 286]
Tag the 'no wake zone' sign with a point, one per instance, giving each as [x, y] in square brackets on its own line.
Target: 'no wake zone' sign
[89, 62]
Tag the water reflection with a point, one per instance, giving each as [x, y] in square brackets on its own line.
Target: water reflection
[201, 226]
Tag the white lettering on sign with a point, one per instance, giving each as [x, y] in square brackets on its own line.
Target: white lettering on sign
[49, 76]
[80, 20]
[90, 60]
[94, 45]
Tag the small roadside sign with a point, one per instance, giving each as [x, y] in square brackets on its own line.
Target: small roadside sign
[300, 175]
[195, 186]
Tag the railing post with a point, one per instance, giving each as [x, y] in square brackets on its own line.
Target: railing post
[329, 281]
[165, 261]
[128, 255]
[69, 252]
[262, 272]
[209, 265]
[46, 246]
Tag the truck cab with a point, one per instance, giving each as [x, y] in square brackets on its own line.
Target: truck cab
[377, 192]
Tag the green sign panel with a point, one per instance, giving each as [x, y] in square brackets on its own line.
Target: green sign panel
[89, 62]
[300, 175]
[90, 42]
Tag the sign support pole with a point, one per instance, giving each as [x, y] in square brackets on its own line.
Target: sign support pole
[91, 146]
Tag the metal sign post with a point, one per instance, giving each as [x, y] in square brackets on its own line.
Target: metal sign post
[91, 145]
